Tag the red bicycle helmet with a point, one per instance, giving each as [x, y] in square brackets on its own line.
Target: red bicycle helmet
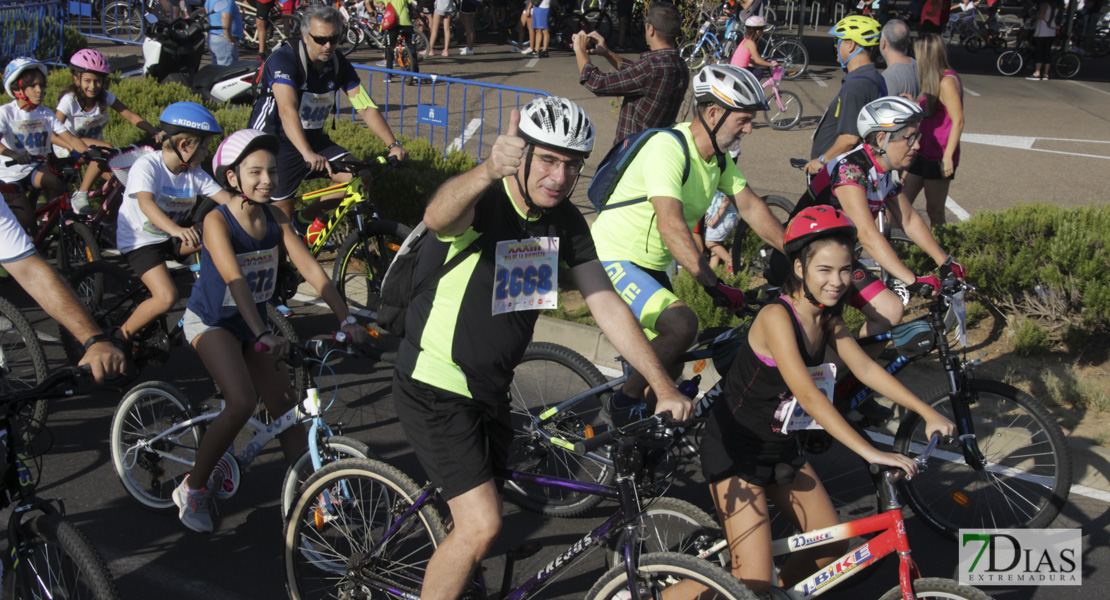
[813, 223]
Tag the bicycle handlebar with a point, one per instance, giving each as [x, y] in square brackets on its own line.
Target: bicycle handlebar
[318, 349]
[64, 377]
[660, 424]
[922, 459]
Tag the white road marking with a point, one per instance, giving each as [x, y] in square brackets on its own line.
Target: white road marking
[956, 209]
[820, 82]
[1021, 142]
[532, 62]
[1090, 87]
[471, 127]
[971, 92]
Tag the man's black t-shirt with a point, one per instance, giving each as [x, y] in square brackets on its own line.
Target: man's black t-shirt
[861, 86]
[453, 340]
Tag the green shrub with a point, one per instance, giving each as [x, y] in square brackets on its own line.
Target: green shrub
[1029, 338]
[693, 294]
[976, 312]
[72, 41]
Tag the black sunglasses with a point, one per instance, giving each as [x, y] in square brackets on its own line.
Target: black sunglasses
[323, 41]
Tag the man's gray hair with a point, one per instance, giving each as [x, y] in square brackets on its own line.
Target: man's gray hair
[897, 35]
[323, 13]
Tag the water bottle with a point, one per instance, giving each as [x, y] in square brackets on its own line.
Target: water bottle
[689, 387]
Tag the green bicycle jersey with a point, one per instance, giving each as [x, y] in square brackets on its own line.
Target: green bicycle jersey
[630, 232]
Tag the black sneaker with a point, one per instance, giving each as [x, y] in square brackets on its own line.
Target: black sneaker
[619, 417]
[543, 54]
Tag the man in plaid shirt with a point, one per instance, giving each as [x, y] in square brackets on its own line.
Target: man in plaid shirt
[653, 87]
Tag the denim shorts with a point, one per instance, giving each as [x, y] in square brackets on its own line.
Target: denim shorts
[224, 52]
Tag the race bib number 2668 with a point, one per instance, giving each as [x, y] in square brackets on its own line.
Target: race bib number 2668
[526, 275]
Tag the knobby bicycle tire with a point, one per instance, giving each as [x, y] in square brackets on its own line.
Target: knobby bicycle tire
[936, 587]
[342, 511]
[547, 375]
[360, 266]
[77, 246]
[790, 113]
[671, 571]
[25, 365]
[1028, 476]
[671, 525]
[145, 412]
[64, 563]
[298, 376]
[331, 449]
[780, 208]
[104, 290]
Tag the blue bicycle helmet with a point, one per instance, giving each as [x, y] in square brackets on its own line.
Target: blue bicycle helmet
[188, 117]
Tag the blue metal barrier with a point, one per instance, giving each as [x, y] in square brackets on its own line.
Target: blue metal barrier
[32, 29]
[455, 114]
[120, 21]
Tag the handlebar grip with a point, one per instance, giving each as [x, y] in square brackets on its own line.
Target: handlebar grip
[798, 163]
[589, 445]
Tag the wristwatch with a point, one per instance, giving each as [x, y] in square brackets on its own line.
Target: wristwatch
[395, 144]
[821, 159]
[350, 320]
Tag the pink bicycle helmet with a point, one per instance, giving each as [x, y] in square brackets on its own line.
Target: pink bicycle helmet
[89, 61]
[755, 21]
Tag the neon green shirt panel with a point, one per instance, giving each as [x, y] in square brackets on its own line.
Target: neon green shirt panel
[630, 232]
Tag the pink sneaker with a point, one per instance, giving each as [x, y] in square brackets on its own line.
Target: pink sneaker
[728, 269]
[444, 53]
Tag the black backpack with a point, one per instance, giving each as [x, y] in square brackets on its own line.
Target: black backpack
[616, 161]
[397, 285]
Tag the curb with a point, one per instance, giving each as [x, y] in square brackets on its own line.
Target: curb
[1090, 463]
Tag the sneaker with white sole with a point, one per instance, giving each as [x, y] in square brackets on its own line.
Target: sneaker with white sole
[193, 504]
[80, 203]
[466, 52]
[526, 52]
[515, 50]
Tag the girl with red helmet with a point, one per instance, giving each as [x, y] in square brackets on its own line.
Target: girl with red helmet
[749, 453]
[83, 108]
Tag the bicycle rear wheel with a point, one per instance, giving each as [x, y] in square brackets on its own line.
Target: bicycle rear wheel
[22, 366]
[77, 246]
[936, 587]
[150, 469]
[793, 57]
[678, 574]
[694, 55]
[341, 514]
[108, 294]
[363, 260]
[671, 525]
[786, 111]
[1066, 65]
[548, 375]
[1010, 62]
[63, 564]
[1025, 481]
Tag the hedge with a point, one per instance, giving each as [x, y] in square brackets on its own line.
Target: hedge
[400, 194]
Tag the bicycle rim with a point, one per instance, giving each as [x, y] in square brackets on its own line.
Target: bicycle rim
[362, 263]
[672, 525]
[786, 111]
[1027, 475]
[342, 512]
[24, 366]
[548, 375]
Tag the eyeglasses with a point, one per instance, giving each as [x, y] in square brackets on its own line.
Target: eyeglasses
[550, 163]
[912, 138]
[325, 40]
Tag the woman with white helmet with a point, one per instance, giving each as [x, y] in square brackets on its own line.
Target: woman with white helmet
[226, 317]
[747, 52]
[83, 107]
[861, 182]
[27, 129]
[492, 264]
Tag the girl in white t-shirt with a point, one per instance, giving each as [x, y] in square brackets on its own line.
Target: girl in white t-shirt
[83, 108]
[161, 193]
[27, 129]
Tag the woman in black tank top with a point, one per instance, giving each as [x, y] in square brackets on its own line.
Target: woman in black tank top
[746, 456]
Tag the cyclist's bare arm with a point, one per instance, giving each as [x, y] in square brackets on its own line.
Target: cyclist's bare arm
[286, 98]
[854, 202]
[135, 119]
[902, 212]
[624, 331]
[69, 140]
[755, 213]
[52, 294]
[376, 123]
[680, 240]
[451, 209]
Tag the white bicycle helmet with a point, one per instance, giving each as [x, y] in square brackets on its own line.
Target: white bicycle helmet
[755, 21]
[16, 68]
[729, 87]
[890, 114]
[557, 123]
[238, 146]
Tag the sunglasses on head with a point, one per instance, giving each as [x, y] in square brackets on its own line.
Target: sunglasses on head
[324, 41]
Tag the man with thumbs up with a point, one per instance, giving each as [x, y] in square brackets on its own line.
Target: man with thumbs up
[467, 331]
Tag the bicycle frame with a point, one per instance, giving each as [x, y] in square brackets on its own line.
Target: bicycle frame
[773, 83]
[353, 195]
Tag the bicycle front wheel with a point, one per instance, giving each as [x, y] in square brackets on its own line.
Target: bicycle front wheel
[340, 516]
[694, 55]
[548, 375]
[151, 468]
[1066, 65]
[1010, 63]
[24, 365]
[1026, 475]
[331, 449]
[681, 575]
[793, 57]
[298, 376]
[672, 525]
[77, 246]
[936, 587]
[61, 561]
[362, 261]
[786, 111]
